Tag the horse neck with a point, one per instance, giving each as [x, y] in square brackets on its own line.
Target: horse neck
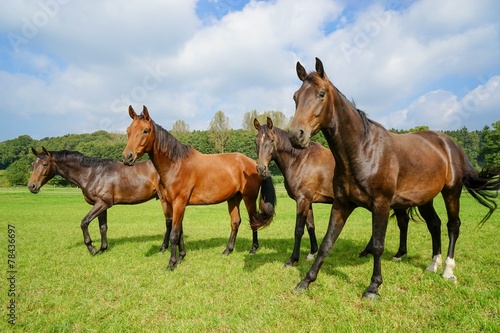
[70, 169]
[283, 154]
[166, 150]
[346, 132]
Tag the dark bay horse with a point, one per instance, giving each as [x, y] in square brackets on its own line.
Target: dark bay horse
[188, 177]
[380, 170]
[308, 181]
[104, 183]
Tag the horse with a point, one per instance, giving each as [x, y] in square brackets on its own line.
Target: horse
[188, 177]
[379, 170]
[307, 181]
[104, 183]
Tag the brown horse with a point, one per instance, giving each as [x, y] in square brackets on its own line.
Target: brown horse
[307, 181]
[188, 177]
[379, 170]
[104, 183]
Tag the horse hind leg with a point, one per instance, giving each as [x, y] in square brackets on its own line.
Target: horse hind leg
[234, 212]
[312, 234]
[452, 203]
[95, 211]
[403, 221]
[433, 222]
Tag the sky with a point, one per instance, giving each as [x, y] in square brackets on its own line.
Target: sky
[71, 66]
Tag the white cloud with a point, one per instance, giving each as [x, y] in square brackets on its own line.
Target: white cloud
[92, 59]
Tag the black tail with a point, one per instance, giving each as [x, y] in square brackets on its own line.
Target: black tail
[267, 202]
[483, 186]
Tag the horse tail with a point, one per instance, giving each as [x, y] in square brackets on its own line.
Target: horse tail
[483, 186]
[267, 203]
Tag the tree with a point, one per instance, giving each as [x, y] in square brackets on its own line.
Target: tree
[219, 131]
[491, 146]
[180, 129]
[278, 117]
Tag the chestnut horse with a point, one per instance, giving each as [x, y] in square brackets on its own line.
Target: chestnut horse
[188, 177]
[104, 183]
[380, 170]
[307, 181]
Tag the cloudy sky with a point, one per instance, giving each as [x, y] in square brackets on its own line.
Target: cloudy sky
[70, 66]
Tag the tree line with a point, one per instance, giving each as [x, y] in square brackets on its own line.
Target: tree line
[481, 146]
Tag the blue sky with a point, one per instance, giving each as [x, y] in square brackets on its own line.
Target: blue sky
[74, 67]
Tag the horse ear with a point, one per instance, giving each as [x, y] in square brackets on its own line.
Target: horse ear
[46, 151]
[131, 112]
[256, 124]
[319, 68]
[301, 71]
[269, 123]
[33, 150]
[145, 113]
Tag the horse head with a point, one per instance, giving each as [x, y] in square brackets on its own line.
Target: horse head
[313, 101]
[140, 136]
[266, 146]
[44, 169]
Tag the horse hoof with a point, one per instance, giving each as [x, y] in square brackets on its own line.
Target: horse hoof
[300, 288]
[310, 257]
[226, 252]
[397, 259]
[371, 296]
[364, 254]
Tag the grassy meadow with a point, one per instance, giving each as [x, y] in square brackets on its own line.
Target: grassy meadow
[60, 287]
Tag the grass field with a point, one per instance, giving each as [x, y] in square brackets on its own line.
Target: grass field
[60, 287]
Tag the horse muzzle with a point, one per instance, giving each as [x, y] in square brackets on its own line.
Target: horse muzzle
[33, 188]
[298, 138]
[262, 170]
[129, 158]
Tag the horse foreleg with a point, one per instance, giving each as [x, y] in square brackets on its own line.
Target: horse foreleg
[176, 237]
[103, 228]
[168, 230]
[338, 216]
[311, 230]
[380, 218]
[95, 211]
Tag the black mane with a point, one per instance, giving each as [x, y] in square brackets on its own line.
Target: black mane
[168, 144]
[82, 159]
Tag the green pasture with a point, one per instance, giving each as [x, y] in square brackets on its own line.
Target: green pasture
[60, 287]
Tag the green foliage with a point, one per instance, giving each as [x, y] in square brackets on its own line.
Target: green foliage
[481, 146]
[491, 146]
[219, 131]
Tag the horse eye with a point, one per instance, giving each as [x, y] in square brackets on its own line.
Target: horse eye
[321, 94]
[45, 164]
[145, 131]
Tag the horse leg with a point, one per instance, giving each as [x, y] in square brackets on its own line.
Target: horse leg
[338, 216]
[434, 226]
[312, 234]
[98, 208]
[452, 203]
[403, 221]
[380, 218]
[251, 209]
[168, 230]
[233, 206]
[176, 236]
[167, 209]
[300, 221]
[103, 228]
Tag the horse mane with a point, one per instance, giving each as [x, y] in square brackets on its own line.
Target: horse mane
[364, 117]
[82, 159]
[168, 144]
